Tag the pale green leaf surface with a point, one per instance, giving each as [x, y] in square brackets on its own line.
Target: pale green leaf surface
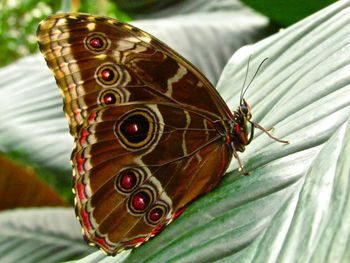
[40, 235]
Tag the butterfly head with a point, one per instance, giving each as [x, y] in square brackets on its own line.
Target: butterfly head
[244, 110]
[240, 133]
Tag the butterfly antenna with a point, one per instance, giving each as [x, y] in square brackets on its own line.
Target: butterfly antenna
[245, 79]
[256, 72]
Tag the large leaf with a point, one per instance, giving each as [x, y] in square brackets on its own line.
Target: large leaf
[294, 206]
[40, 235]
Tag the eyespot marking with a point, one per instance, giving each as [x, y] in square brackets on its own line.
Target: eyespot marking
[128, 179]
[140, 201]
[107, 74]
[109, 97]
[96, 42]
[156, 214]
[136, 129]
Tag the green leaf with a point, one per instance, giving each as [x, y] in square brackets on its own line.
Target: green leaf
[40, 235]
[287, 12]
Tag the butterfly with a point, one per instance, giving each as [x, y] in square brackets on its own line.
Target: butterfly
[151, 133]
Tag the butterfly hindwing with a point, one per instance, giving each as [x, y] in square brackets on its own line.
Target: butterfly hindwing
[177, 150]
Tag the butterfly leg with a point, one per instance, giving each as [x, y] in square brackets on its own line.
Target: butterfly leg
[258, 126]
[241, 167]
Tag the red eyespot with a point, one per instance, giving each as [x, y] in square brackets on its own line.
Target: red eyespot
[109, 98]
[155, 214]
[107, 74]
[140, 201]
[136, 129]
[96, 42]
[132, 128]
[128, 180]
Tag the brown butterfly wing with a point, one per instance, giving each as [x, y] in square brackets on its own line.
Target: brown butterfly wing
[144, 123]
[78, 47]
[180, 155]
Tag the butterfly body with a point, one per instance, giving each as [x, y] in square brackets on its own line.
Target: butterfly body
[151, 133]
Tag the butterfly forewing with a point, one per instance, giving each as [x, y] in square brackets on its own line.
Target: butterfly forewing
[145, 126]
[79, 47]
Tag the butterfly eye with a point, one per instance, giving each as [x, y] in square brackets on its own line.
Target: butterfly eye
[109, 97]
[136, 129]
[107, 74]
[127, 180]
[140, 201]
[244, 109]
[96, 42]
[156, 214]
